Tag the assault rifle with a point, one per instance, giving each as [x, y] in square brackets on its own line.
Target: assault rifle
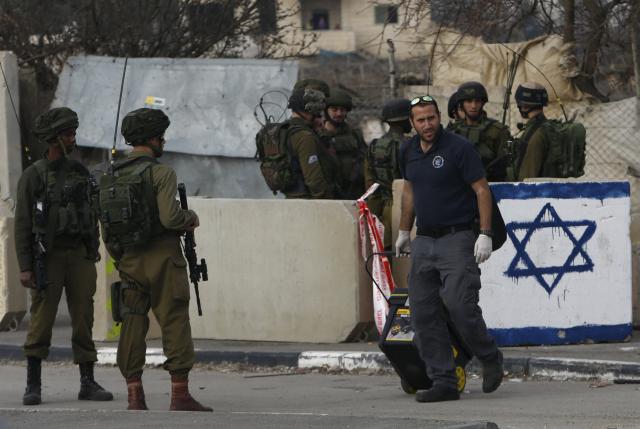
[197, 271]
[39, 249]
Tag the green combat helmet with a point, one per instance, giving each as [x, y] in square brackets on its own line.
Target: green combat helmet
[472, 90]
[142, 124]
[317, 84]
[339, 98]
[49, 124]
[307, 100]
[531, 94]
[396, 110]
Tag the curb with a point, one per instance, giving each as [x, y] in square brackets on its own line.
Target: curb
[560, 369]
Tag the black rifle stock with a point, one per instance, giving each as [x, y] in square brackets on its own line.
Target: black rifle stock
[197, 271]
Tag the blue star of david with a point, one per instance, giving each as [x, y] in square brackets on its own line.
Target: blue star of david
[548, 218]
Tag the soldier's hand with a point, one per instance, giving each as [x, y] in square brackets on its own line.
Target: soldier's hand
[27, 279]
[195, 224]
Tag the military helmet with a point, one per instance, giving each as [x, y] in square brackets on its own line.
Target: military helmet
[307, 100]
[317, 84]
[453, 105]
[339, 98]
[531, 94]
[396, 110]
[472, 90]
[142, 124]
[49, 124]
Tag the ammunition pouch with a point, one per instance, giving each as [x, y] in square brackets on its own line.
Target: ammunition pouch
[119, 309]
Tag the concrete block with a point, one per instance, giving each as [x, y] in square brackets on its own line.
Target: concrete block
[565, 273]
[10, 156]
[280, 271]
[13, 297]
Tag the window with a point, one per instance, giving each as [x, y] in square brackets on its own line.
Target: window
[320, 19]
[267, 16]
[386, 14]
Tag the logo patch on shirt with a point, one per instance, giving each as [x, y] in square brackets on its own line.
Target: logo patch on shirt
[312, 159]
[438, 161]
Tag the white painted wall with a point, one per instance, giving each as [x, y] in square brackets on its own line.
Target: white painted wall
[594, 303]
[13, 297]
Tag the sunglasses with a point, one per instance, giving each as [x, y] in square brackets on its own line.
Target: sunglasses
[423, 99]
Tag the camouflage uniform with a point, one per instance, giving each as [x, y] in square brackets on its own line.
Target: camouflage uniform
[55, 201]
[317, 169]
[155, 271]
[490, 138]
[381, 166]
[349, 147]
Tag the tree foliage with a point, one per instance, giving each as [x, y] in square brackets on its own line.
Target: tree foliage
[44, 33]
[599, 30]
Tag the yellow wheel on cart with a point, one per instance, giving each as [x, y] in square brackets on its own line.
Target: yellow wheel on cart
[461, 375]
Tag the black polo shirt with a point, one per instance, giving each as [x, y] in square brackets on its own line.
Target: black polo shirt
[441, 179]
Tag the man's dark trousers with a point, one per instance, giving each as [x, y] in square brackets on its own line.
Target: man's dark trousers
[444, 271]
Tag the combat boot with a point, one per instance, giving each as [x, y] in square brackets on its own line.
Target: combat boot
[32, 394]
[181, 399]
[135, 394]
[89, 389]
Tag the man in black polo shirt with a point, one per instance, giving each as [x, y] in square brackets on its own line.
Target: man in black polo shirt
[446, 190]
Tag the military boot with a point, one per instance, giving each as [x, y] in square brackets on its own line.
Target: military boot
[32, 394]
[135, 394]
[89, 389]
[181, 399]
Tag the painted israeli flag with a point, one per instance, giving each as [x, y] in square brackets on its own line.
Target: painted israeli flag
[564, 274]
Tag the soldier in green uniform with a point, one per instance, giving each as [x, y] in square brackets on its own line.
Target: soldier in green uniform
[56, 224]
[455, 112]
[348, 143]
[316, 169]
[153, 271]
[531, 98]
[381, 161]
[489, 136]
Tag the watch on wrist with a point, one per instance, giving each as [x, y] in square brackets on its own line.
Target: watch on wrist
[486, 232]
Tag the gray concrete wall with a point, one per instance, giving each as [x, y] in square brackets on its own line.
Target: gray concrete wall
[278, 271]
[10, 157]
[13, 297]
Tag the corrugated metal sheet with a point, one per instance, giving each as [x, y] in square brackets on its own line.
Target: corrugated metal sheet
[210, 101]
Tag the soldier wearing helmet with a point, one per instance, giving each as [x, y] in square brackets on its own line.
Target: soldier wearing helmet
[347, 142]
[455, 112]
[56, 239]
[381, 161]
[531, 98]
[153, 272]
[314, 166]
[487, 135]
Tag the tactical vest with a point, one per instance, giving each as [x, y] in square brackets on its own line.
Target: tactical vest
[382, 156]
[480, 135]
[69, 207]
[128, 207]
[486, 138]
[350, 154]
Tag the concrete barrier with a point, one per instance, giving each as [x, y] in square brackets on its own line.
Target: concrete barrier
[564, 274]
[13, 297]
[278, 271]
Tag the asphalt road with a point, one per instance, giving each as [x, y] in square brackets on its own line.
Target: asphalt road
[245, 400]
